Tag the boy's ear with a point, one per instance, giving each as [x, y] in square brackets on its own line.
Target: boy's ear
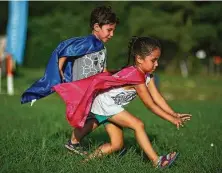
[96, 27]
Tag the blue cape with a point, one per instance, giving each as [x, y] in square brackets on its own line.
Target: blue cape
[71, 48]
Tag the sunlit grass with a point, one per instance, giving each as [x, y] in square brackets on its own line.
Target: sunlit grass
[33, 138]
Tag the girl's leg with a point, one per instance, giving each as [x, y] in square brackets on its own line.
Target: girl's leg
[125, 119]
[116, 142]
[79, 133]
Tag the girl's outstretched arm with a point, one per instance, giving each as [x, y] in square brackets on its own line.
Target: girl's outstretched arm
[145, 96]
[160, 101]
[158, 98]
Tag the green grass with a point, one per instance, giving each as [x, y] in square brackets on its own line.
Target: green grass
[32, 138]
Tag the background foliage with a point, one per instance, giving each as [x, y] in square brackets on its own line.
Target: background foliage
[182, 27]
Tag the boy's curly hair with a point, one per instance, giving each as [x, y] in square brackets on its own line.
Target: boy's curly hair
[103, 15]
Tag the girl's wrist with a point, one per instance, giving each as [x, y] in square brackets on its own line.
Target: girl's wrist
[173, 120]
[175, 114]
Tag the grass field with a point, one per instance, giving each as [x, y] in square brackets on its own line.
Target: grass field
[32, 138]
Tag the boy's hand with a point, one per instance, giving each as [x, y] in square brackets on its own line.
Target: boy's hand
[64, 80]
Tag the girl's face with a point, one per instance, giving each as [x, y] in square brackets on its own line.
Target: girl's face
[150, 62]
[105, 32]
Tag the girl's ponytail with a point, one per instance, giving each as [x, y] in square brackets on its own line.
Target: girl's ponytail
[130, 49]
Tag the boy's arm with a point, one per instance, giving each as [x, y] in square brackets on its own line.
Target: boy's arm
[145, 96]
[105, 70]
[61, 64]
[111, 71]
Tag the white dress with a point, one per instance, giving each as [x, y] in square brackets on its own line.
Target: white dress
[111, 102]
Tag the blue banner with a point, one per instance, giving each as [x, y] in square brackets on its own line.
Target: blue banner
[16, 30]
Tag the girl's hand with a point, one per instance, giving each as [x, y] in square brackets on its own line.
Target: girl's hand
[180, 119]
[184, 117]
[178, 122]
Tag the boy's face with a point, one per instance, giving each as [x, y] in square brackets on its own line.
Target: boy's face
[105, 32]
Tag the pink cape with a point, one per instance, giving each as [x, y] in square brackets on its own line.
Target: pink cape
[78, 95]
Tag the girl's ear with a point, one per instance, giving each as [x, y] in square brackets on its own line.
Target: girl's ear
[96, 27]
[139, 59]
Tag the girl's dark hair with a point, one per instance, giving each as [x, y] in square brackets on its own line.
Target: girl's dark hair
[103, 15]
[142, 46]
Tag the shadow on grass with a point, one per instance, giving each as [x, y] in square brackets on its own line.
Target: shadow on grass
[97, 138]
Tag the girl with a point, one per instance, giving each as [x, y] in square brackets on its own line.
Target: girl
[108, 106]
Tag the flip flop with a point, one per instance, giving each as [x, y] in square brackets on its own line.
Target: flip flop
[164, 158]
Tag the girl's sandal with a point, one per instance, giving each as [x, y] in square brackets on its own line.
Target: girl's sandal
[165, 158]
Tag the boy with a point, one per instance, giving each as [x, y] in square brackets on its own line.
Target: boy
[75, 59]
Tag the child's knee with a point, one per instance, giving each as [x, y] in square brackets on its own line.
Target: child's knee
[139, 124]
[117, 145]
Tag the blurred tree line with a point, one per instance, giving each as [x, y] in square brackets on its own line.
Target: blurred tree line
[182, 27]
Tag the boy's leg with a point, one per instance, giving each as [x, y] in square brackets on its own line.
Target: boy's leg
[125, 119]
[116, 142]
[91, 124]
[78, 134]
